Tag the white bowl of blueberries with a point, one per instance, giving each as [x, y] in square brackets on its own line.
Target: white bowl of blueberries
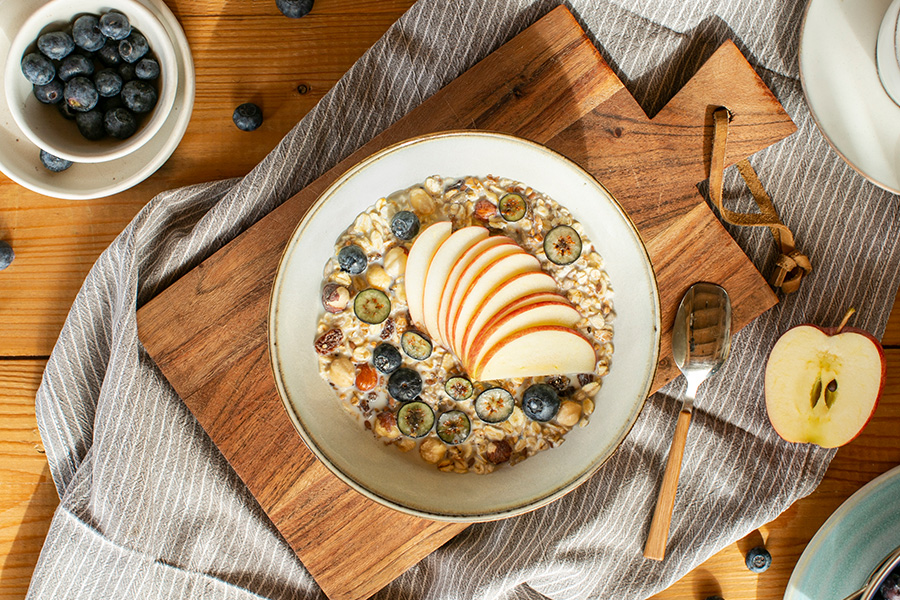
[90, 81]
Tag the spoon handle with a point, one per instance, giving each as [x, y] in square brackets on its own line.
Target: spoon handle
[655, 548]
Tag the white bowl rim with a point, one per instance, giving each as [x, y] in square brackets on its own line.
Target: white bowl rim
[168, 89]
[552, 494]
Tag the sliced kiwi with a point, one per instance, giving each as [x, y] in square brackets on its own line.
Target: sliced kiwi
[453, 427]
[562, 245]
[494, 405]
[415, 419]
[459, 388]
[372, 306]
[512, 207]
[416, 344]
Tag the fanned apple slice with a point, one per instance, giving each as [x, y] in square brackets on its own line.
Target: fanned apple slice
[443, 261]
[473, 253]
[549, 312]
[509, 291]
[541, 350]
[417, 264]
[484, 286]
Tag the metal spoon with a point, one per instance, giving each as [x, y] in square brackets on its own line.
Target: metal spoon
[701, 339]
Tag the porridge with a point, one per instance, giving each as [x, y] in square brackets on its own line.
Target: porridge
[407, 367]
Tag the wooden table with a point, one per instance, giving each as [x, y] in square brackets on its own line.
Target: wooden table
[57, 241]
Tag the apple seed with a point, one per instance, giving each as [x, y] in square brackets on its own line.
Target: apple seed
[830, 393]
[816, 392]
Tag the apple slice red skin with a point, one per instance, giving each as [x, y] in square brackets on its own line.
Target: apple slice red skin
[833, 331]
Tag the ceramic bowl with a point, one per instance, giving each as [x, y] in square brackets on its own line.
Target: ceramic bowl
[402, 480]
[42, 124]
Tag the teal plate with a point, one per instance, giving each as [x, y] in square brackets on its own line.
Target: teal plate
[851, 543]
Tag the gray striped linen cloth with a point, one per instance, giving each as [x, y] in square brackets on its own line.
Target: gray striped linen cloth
[150, 509]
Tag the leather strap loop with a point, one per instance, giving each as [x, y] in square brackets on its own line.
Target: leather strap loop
[791, 265]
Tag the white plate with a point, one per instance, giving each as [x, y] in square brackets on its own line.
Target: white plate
[842, 88]
[404, 481]
[19, 157]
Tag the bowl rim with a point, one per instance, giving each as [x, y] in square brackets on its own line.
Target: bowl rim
[551, 495]
[168, 87]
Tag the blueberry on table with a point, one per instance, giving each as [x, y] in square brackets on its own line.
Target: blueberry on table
[56, 44]
[115, 25]
[38, 69]
[6, 255]
[247, 116]
[90, 124]
[54, 163]
[119, 123]
[352, 259]
[108, 82]
[294, 9]
[387, 358]
[139, 96]
[109, 54]
[75, 65]
[404, 384]
[405, 225]
[540, 402]
[147, 68]
[134, 47]
[758, 559]
[86, 33]
[50, 93]
[80, 94]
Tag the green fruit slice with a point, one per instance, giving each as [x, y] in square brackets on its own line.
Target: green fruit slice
[494, 405]
[512, 207]
[415, 344]
[453, 427]
[415, 419]
[459, 388]
[562, 245]
[372, 306]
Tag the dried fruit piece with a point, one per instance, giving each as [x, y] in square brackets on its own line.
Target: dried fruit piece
[498, 452]
[329, 340]
[485, 209]
[366, 377]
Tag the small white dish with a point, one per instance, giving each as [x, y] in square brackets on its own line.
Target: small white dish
[843, 90]
[42, 123]
[887, 59]
[19, 156]
[365, 463]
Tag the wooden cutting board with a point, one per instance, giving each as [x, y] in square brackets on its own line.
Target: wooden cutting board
[207, 331]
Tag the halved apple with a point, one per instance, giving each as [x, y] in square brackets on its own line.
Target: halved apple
[823, 384]
[417, 263]
[541, 350]
[548, 312]
[443, 261]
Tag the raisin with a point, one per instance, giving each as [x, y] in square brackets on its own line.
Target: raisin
[558, 382]
[329, 340]
[585, 378]
[388, 329]
[366, 378]
[498, 452]
[485, 209]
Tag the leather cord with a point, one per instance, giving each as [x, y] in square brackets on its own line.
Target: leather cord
[791, 265]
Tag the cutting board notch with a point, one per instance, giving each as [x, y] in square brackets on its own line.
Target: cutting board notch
[207, 331]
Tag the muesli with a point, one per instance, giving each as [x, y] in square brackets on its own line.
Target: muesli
[412, 392]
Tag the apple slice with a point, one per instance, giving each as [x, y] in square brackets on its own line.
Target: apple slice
[540, 350]
[548, 312]
[504, 296]
[443, 261]
[417, 263]
[473, 253]
[484, 285]
[823, 384]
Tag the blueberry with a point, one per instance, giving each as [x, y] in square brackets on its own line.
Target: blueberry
[90, 124]
[6, 255]
[134, 47]
[86, 33]
[66, 111]
[109, 83]
[50, 93]
[54, 163]
[247, 117]
[126, 71]
[38, 69]
[352, 259]
[115, 25]
[405, 225]
[889, 588]
[109, 54]
[540, 402]
[80, 94]
[147, 68]
[139, 96]
[387, 358]
[56, 44]
[294, 8]
[715, 598]
[76, 65]
[119, 123]
[404, 384]
[758, 559]
[111, 103]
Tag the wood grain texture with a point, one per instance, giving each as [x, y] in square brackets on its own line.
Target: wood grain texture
[57, 241]
[548, 84]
